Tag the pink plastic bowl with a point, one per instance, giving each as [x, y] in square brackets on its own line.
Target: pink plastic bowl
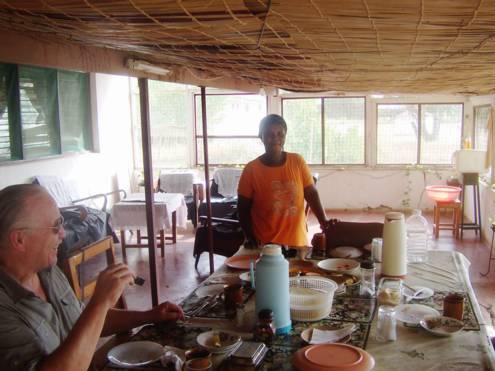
[443, 193]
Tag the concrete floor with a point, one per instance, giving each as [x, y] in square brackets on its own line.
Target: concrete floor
[178, 276]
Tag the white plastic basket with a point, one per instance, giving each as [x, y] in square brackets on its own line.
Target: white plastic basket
[311, 297]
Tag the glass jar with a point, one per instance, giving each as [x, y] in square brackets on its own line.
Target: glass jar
[453, 306]
[367, 278]
[389, 291]
[386, 324]
[264, 330]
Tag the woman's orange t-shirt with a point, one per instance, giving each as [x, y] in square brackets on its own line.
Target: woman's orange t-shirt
[277, 212]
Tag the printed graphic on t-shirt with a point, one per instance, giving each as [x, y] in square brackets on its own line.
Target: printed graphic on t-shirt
[284, 197]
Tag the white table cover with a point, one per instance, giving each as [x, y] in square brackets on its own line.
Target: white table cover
[130, 213]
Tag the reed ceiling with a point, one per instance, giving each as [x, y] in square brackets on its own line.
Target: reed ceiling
[406, 46]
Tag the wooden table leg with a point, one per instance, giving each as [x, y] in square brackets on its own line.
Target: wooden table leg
[174, 227]
[122, 245]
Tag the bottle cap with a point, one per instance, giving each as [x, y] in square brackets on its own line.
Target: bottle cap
[367, 264]
[265, 314]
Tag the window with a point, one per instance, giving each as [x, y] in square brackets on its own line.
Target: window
[233, 123]
[326, 130]
[418, 133]
[481, 114]
[42, 112]
[168, 105]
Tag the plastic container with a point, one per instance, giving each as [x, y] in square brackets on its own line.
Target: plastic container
[311, 297]
[443, 193]
[389, 291]
[417, 230]
[386, 324]
[394, 252]
[272, 287]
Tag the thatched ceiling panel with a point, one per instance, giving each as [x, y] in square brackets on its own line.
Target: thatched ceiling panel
[404, 46]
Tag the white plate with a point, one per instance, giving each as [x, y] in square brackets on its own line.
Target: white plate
[343, 334]
[246, 277]
[441, 326]
[135, 353]
[228, 341]
[224, 278]
[426, 293]
[208, 290]
[412, 314]
[348, 252]
[339, 265]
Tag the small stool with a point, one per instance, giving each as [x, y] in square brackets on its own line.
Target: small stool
[455, 207]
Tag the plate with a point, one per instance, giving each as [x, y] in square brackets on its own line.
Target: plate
[227, 340]
[334, 356]
[208, 290]
[441, 326]
[412, 314]
[339, 265]
[348, 252]
[346, 331]
[241, 261]
[225, 278]
[426, 293]
[135, 353]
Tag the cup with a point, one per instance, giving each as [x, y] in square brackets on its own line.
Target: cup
[376, 249]
[453, 306]
[198, 364]
[197, 352]
[319, 242]
[232, 296]
[386, 324]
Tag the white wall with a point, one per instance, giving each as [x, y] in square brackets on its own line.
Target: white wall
[91, 172]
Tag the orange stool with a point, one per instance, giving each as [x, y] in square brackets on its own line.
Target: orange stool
[455, 208]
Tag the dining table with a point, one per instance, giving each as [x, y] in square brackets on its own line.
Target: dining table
[129, 214]
[413, 349]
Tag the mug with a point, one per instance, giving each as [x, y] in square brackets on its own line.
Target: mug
[233, 295]
[198, 364]
[197, 352]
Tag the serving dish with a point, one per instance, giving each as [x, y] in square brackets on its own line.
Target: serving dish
[412, 314]
[218, 341]
[135, 353]
[441, 326]
[339, 265]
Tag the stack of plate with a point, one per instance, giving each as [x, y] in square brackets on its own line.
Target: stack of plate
[219, 341]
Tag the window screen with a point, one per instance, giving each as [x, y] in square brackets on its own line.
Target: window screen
[75, 120]
[39, 116]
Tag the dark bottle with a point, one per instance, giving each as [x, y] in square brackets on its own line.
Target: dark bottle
[264, 330]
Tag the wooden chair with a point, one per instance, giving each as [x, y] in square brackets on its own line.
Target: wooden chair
[72, 268]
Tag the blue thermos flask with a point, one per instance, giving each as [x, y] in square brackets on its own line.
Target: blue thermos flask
[272, 286]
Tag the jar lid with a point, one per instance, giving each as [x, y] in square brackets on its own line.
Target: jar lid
[367, 264]
[454, 297]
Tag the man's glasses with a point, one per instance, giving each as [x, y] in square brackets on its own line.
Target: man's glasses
[59, 224]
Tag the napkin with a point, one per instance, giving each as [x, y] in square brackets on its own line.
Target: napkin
[330, 336]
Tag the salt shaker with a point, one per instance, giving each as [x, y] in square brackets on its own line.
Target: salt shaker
[386, 325]
[367, 278]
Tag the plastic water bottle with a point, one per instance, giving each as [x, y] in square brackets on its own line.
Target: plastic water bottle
[272, 287]
[417, 237]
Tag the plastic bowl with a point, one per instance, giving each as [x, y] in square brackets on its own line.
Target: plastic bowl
[311, 297]
[443, 193]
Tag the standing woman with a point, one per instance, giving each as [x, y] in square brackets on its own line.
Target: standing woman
[272, 190]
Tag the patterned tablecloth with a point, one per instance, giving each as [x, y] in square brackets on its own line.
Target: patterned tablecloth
[415, 349]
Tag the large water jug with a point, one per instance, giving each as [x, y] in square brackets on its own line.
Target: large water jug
[417, 237]
[272, 287]
[394, 259]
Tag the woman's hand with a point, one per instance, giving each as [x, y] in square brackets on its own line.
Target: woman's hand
[251, 243]
[328, 224]
[167, 312]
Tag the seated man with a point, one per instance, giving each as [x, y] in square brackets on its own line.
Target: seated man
[43, 325]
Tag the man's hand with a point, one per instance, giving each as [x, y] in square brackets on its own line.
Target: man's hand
[167, 312]
[111, 283]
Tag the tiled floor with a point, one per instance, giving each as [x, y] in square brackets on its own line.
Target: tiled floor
[178, 276]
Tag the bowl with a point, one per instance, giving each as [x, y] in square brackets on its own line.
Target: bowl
[341, 333]
[311, 297]
[443, 193]
[339, 265]
[218, 341]
[441, 326]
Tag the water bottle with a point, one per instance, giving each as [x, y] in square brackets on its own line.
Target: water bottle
[272, 287]
[417, 238]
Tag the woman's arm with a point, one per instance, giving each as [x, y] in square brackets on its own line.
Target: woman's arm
[313, 199]
[244, 208]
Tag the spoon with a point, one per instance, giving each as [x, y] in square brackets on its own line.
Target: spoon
[416, 294]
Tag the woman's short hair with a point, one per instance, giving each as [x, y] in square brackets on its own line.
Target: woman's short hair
[13, 206]
[271, 120]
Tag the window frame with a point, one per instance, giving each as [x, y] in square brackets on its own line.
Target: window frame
[323, 131]
[488, 105]
[418, 147]
[17, 152]
[200, 137]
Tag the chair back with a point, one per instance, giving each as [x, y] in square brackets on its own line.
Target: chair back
[227, 180]
[355, 234]
[62, 191]
[72, 268]
[176, 183]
